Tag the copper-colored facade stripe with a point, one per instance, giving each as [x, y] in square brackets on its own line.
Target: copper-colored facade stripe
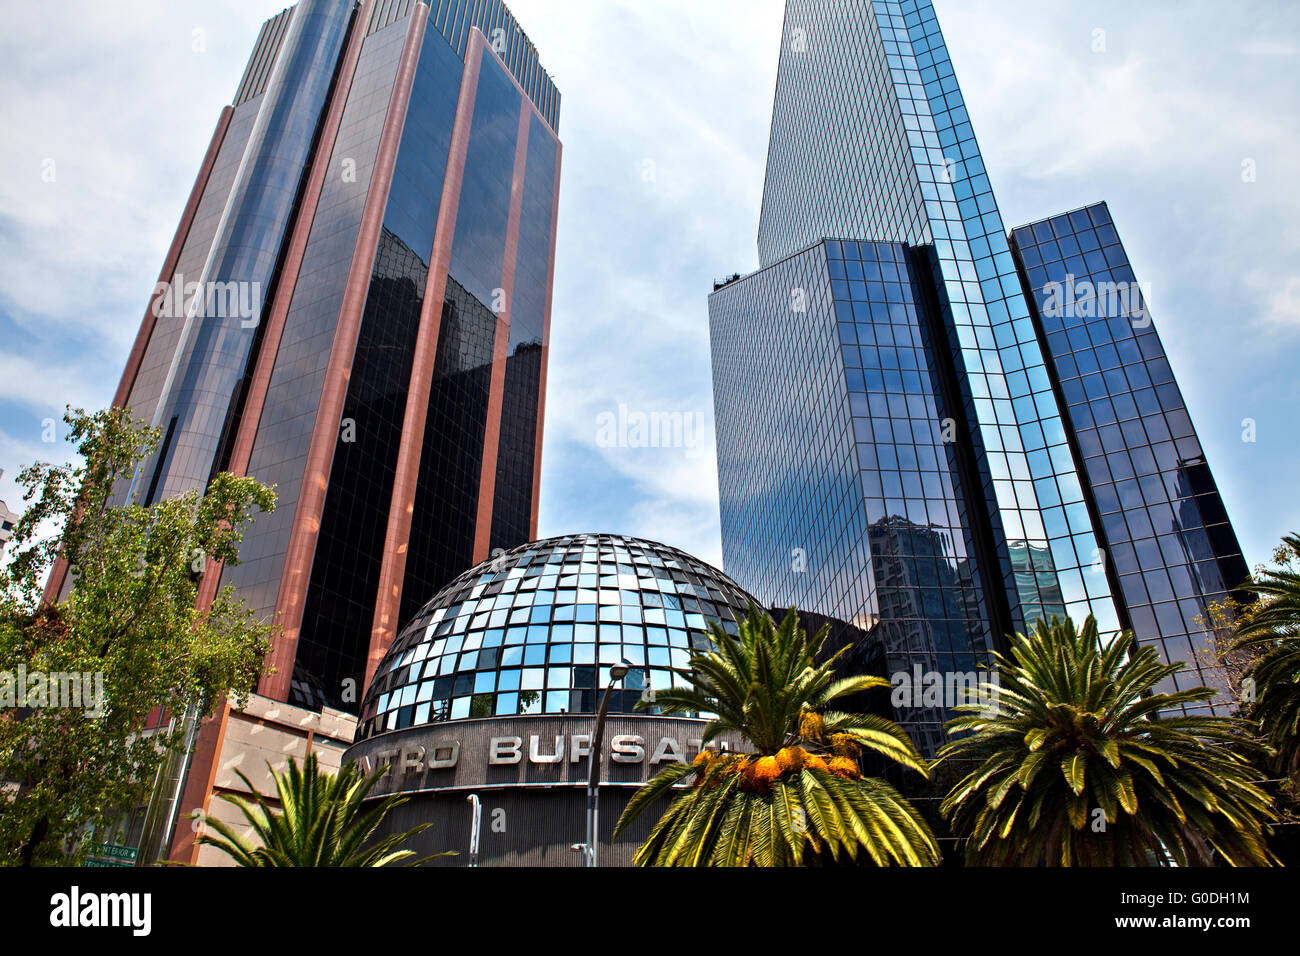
[197, 792]
[528, 100]
[54, 583]
[546, 338]
[202, 774]
[388, 598]
[529, 105]
[261, 379]
[301, 551]
[173, 256]
[501, 346]
[260, 382]
[59, 572]
[546, 351]
[207, 748]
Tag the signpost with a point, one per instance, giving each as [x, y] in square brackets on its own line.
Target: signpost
[110, 854]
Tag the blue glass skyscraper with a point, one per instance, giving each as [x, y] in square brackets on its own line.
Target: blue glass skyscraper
[892, 447]
[1170, 551]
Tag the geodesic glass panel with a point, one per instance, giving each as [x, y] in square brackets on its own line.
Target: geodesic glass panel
[536, 629]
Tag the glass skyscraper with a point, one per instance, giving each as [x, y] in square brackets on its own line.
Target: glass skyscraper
[355, 309]
[893, 448]
[1170, 551]
[382, 195]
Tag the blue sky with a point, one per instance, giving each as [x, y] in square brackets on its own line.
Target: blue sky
[665, 122]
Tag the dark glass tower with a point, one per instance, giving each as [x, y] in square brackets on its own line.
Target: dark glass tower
[1170, 551]
[892, 447]
[380, 201]
[355, 308]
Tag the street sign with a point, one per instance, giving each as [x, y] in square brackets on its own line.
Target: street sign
[110, 854]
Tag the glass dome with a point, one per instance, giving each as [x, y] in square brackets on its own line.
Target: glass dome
[535, 630]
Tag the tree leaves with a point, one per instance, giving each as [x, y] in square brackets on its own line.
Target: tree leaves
[320, 821]
[131, 620]
[783, 804]
[1269, 631]
[1131, 778]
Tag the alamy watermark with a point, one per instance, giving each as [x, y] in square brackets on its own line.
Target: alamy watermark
[57, 689]
[219, 300]
[1093, 300]
[638, 429]
[78, 908]
[920, 688]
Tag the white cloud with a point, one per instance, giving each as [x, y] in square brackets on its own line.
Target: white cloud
[107, 115]
[45, 386]
[1281, 295]
[1266, 47]
[1158, 125]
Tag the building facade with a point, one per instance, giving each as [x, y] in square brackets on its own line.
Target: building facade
[1170, 551]
[355, 309]
[894, 448]
[493, 686]
[7, 521]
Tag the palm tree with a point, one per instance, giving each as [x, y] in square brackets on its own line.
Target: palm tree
[1077, 761]
[320, 821]
[1269, 631]
[798, 793]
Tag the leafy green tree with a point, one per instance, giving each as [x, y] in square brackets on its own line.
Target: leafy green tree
[129, 627]
[798, 794]
[1080, 762]
[320, 821]
[1268, 632]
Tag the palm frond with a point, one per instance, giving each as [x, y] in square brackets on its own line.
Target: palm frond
[1085, 764]
[321, 820]
[796, 794]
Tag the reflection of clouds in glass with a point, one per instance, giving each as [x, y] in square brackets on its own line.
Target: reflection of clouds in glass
[535, 631]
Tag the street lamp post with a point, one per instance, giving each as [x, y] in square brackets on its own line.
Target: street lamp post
[476, 817]
[616, 673]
